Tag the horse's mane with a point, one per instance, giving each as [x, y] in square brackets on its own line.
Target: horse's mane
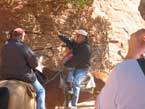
[48, 72]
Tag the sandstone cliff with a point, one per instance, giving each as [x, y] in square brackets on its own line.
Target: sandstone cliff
[109, 23]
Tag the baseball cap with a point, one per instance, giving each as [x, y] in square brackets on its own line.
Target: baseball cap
[82, 32]
[19, 31]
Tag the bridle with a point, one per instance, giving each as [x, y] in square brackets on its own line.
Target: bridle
[58, 73]
[61, 78]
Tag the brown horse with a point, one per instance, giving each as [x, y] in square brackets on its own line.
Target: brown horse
[55, 96]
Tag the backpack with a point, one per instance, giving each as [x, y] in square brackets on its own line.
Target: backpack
[141, 62]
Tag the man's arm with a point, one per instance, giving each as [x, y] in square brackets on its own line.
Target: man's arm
[107, 98]
[69, 43]
[30, 58]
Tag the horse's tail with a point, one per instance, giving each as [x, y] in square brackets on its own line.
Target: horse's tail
[4, 97]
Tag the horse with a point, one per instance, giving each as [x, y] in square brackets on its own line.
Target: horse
[100, 80]
[56, 95]
[16, 94]
[55, 91]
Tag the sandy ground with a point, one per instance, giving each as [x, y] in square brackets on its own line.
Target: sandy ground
[84, 105]
[87, 105]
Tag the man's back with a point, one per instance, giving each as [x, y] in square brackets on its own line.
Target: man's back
[13, 54]
[125, 88]
[14, 63]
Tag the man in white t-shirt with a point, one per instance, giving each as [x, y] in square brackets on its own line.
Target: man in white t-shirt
[125, 88]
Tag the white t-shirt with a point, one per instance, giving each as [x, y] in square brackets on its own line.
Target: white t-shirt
[125, 88]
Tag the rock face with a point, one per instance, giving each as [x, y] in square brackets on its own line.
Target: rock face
[124, 18]
[109, 23]
[142, 8]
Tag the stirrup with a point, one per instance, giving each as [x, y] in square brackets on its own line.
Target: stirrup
[74, 107]
[70, 91]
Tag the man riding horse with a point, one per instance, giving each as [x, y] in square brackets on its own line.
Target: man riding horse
[18, 62]
[77, 61]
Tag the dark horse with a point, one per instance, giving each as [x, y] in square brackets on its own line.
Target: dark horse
[55, 94]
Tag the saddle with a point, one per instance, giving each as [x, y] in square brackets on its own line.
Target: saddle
[19, 95]
[88, 84]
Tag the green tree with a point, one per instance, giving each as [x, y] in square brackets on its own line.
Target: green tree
[80, 3]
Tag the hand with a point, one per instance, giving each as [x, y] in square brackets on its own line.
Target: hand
[29, 75]
[56, 33]
[60, 33]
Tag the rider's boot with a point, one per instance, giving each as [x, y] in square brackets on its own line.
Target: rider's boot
[74, 107]
[70, 88]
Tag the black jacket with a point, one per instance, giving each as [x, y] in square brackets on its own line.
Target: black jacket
[17, 62]
[81, 53]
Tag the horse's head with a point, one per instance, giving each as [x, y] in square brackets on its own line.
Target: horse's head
[100, 80]
[100, 75]
[42, 68]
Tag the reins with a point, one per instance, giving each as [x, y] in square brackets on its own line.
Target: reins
[54, 77]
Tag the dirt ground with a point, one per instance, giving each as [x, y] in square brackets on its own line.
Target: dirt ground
[87, 105]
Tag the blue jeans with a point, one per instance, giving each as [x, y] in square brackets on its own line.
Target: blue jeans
[70, 75]
[40, 91]
[76, 76]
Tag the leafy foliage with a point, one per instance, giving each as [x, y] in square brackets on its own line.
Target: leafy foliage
[80, 3]
[42, 19]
